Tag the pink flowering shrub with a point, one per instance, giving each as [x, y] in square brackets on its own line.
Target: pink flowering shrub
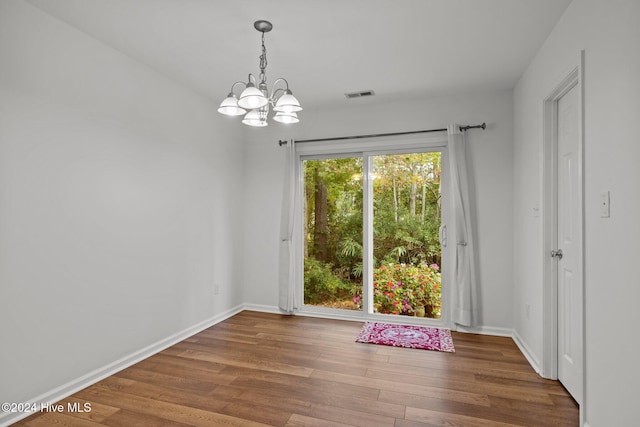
[401, 288]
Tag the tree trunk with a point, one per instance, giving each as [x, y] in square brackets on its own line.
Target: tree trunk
[413, 196]
[321, 223]
[395, 199]
[424, 200]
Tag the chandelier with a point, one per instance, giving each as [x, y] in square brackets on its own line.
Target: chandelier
[254, 101]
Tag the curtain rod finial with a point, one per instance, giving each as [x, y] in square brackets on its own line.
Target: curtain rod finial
[483, 126]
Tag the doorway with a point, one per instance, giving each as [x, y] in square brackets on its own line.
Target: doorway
[371, 225]
[563, 291]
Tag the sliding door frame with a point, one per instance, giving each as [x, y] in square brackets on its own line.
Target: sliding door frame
[367, 149]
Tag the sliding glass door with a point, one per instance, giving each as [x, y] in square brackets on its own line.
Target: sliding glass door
[371, 227]
[332, 218]
[407, 210]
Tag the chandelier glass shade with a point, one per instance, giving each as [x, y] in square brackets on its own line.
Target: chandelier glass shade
[254, 101]
[229, 106]
[286, 118]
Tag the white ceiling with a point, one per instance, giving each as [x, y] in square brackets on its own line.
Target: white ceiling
[325, 48]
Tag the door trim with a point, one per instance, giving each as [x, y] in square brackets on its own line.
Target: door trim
[367, 149]
[549, 366]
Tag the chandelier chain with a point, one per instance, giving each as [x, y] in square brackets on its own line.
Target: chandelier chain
[263, 62]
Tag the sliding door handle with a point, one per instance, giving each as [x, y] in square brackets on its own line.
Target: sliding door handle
[443, 235]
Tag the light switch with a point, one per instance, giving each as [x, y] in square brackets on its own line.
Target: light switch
[605, 210]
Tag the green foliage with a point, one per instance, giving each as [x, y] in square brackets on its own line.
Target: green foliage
[407, 208]
[350, 248]
[321, 285]
[356, 270]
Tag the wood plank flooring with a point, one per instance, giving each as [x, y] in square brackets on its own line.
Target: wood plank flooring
[258, 369]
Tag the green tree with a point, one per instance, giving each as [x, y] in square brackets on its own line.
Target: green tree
[407, 208]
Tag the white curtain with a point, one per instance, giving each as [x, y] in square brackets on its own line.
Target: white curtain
[286, 275]
[464, 271]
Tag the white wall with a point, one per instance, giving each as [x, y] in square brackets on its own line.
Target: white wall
[490, 159]
[118, 205]
[609, 33]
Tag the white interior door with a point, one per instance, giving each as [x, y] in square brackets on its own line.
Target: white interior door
[569, 244]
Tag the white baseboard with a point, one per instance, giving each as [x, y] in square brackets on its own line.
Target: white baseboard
[358, 317]
[533, 361]
[263, 308]
[65, 390]
[485, 330]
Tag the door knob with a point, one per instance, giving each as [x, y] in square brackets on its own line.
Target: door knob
[557, 254]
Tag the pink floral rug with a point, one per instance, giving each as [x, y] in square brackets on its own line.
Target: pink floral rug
[421, 337]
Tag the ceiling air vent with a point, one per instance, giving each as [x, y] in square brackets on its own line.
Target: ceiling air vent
[359, 94]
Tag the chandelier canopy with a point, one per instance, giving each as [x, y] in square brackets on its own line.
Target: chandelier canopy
[254, 101]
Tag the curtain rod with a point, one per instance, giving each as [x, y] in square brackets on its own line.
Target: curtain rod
[483, 126]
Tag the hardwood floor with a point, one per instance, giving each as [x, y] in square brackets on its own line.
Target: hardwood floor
[265, 369]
